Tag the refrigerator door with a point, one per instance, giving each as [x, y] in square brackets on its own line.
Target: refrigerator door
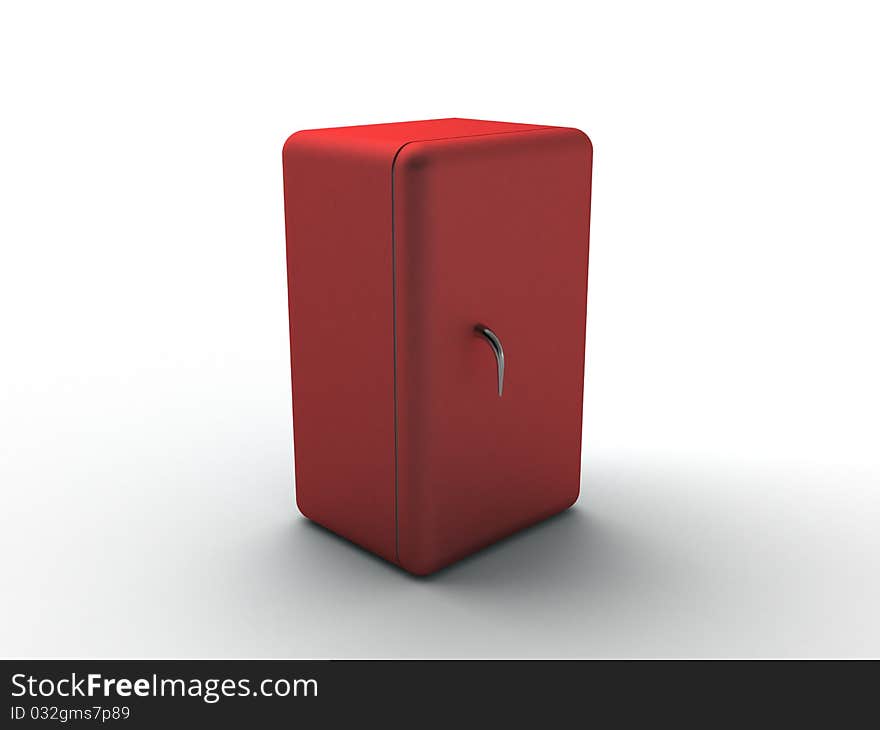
[490, 250]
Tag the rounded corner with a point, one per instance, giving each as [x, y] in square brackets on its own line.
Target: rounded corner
[584, 137]
[412, 157]
[298, 500]
[294, 140]
[573, 499]
[418, 569]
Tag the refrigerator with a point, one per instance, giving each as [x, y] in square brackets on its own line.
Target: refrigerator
[437, 281]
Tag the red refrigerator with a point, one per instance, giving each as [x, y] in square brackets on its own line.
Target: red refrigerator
[437, 278]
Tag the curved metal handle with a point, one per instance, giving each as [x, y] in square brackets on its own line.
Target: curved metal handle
[495, 344]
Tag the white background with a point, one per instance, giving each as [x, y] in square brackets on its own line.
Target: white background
[731, 469]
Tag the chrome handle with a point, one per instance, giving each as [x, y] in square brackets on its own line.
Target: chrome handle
[495, 344]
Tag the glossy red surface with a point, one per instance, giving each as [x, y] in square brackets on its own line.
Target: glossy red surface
[401, 238]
